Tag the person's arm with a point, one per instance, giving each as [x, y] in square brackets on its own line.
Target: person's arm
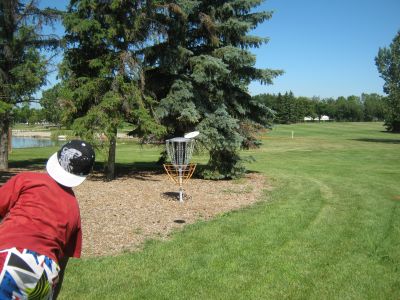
[63, 265]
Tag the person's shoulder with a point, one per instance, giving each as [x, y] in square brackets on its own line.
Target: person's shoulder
[41, 178]
[32, 175]
[24, 178]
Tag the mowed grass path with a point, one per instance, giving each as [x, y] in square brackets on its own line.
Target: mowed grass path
[330, 229]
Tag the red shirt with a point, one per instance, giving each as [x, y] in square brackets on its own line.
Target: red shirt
[40, 215]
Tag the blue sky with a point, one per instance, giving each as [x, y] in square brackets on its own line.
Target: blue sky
[325, 47]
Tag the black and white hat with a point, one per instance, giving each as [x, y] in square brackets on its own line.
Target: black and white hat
[72, 163]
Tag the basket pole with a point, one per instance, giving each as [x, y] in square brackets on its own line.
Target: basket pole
[180, 185]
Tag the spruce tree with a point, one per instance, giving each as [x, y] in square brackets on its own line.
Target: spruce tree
[103, 75]
[22, 66]
[200, 72]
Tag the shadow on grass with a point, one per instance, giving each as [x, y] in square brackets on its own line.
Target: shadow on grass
[137, 170]
[16, 167]
[144, 171]
[387, 141]
[29, 164]
[5, 175]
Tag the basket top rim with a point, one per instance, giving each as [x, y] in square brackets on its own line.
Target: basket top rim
[179, 140]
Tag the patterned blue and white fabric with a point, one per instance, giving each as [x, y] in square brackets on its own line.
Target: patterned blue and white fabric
[26, 275]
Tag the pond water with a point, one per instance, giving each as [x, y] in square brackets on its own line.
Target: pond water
[29, 142]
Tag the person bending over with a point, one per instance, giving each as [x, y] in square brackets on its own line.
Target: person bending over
[40, 224]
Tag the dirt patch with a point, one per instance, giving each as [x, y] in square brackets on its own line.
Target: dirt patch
[120, 215]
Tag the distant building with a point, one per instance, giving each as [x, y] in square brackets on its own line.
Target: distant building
[323, 118]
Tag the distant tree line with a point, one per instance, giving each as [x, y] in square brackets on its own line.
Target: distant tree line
[28, 115]
[291, 109]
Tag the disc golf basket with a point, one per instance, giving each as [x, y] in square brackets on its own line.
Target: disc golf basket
[180, 151]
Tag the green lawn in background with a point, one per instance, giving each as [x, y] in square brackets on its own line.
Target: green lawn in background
[329, 229]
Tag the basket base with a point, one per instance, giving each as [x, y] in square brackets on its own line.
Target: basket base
[179, 174]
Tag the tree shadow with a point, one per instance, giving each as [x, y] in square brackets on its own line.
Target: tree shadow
[29, 164]
[138, 170]
[16, 167]
[5, 175]
[389, 132]
[371, 140]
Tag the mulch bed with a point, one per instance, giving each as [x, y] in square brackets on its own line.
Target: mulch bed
[119, 215]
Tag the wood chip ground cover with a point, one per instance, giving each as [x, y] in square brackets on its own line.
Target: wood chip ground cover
[120, 215]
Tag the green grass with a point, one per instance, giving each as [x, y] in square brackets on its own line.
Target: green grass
[31, 127]
[329, 229]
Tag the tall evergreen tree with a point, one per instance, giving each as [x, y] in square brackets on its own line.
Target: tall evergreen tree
[200, 72]
[103, 77]
[22, 67]
[388, 64]
[287, 112]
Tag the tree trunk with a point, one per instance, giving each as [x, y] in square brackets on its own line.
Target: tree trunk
[9, 9]
[9, 140]
[110, 172]
[4, 132]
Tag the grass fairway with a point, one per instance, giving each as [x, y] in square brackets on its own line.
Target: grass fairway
[330, 229]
